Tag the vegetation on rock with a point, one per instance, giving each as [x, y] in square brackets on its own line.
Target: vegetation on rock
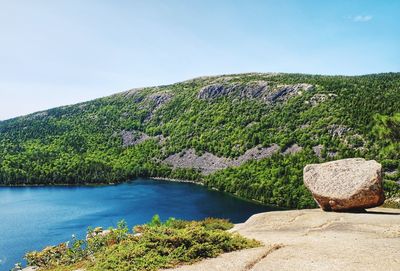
[150, 247]
[130, 134]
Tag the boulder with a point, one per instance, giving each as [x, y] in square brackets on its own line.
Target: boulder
[347, 184]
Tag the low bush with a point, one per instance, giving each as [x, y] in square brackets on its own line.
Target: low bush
[151, 246]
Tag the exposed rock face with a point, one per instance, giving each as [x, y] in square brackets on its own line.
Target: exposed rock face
[209, 163]
[345, 184]
[256, 153]
[155, 101]
[253, 90]
[131, 138]
[249, 90]
[160, 98]
[206, 163]
[287, 91]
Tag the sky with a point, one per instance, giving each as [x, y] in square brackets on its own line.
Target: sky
[55, 53]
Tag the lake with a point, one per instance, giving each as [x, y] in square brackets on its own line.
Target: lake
[34, 217]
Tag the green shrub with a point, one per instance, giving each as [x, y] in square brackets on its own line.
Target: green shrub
[216, 224]
[158, 245]
[391, 188]
[166, 246]
[50, 256]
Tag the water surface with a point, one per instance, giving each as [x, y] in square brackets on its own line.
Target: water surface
[34, 217]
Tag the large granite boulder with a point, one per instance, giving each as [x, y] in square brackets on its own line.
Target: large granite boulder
[346, 184]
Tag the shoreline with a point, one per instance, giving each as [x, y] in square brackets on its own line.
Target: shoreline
[102, 184]
[165, 179]
[61, 184]
[254, 201]
[175, 180]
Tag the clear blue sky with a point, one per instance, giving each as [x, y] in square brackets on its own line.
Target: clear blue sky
[61, 52]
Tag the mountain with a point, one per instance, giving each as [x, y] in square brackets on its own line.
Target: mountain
[247, 134]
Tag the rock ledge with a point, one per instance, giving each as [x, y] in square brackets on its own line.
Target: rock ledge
[313, 240]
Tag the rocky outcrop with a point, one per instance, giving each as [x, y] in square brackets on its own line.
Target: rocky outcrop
[249, 90]
[154, 102]
[159, 98]
[311, 240]
[345, 184]
[253, 90]
[285, 92]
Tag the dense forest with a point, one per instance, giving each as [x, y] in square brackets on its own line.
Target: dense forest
[130, 134]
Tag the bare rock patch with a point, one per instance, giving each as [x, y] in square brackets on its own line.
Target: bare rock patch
[256, 153]
[131, 138]
[293, 149]
[338, 130]
[160, 98]
[253, 90]
[318, 150]
[320, 98]
[208, 163]
[283, 93]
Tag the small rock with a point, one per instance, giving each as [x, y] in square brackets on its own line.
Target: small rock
[293, 149]
[337, 130]
[318, 150]
[347, 184]
[98, 232]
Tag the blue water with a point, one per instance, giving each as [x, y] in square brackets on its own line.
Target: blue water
[34, 217]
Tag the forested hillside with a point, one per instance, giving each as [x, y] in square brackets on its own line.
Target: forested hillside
[247, 134]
